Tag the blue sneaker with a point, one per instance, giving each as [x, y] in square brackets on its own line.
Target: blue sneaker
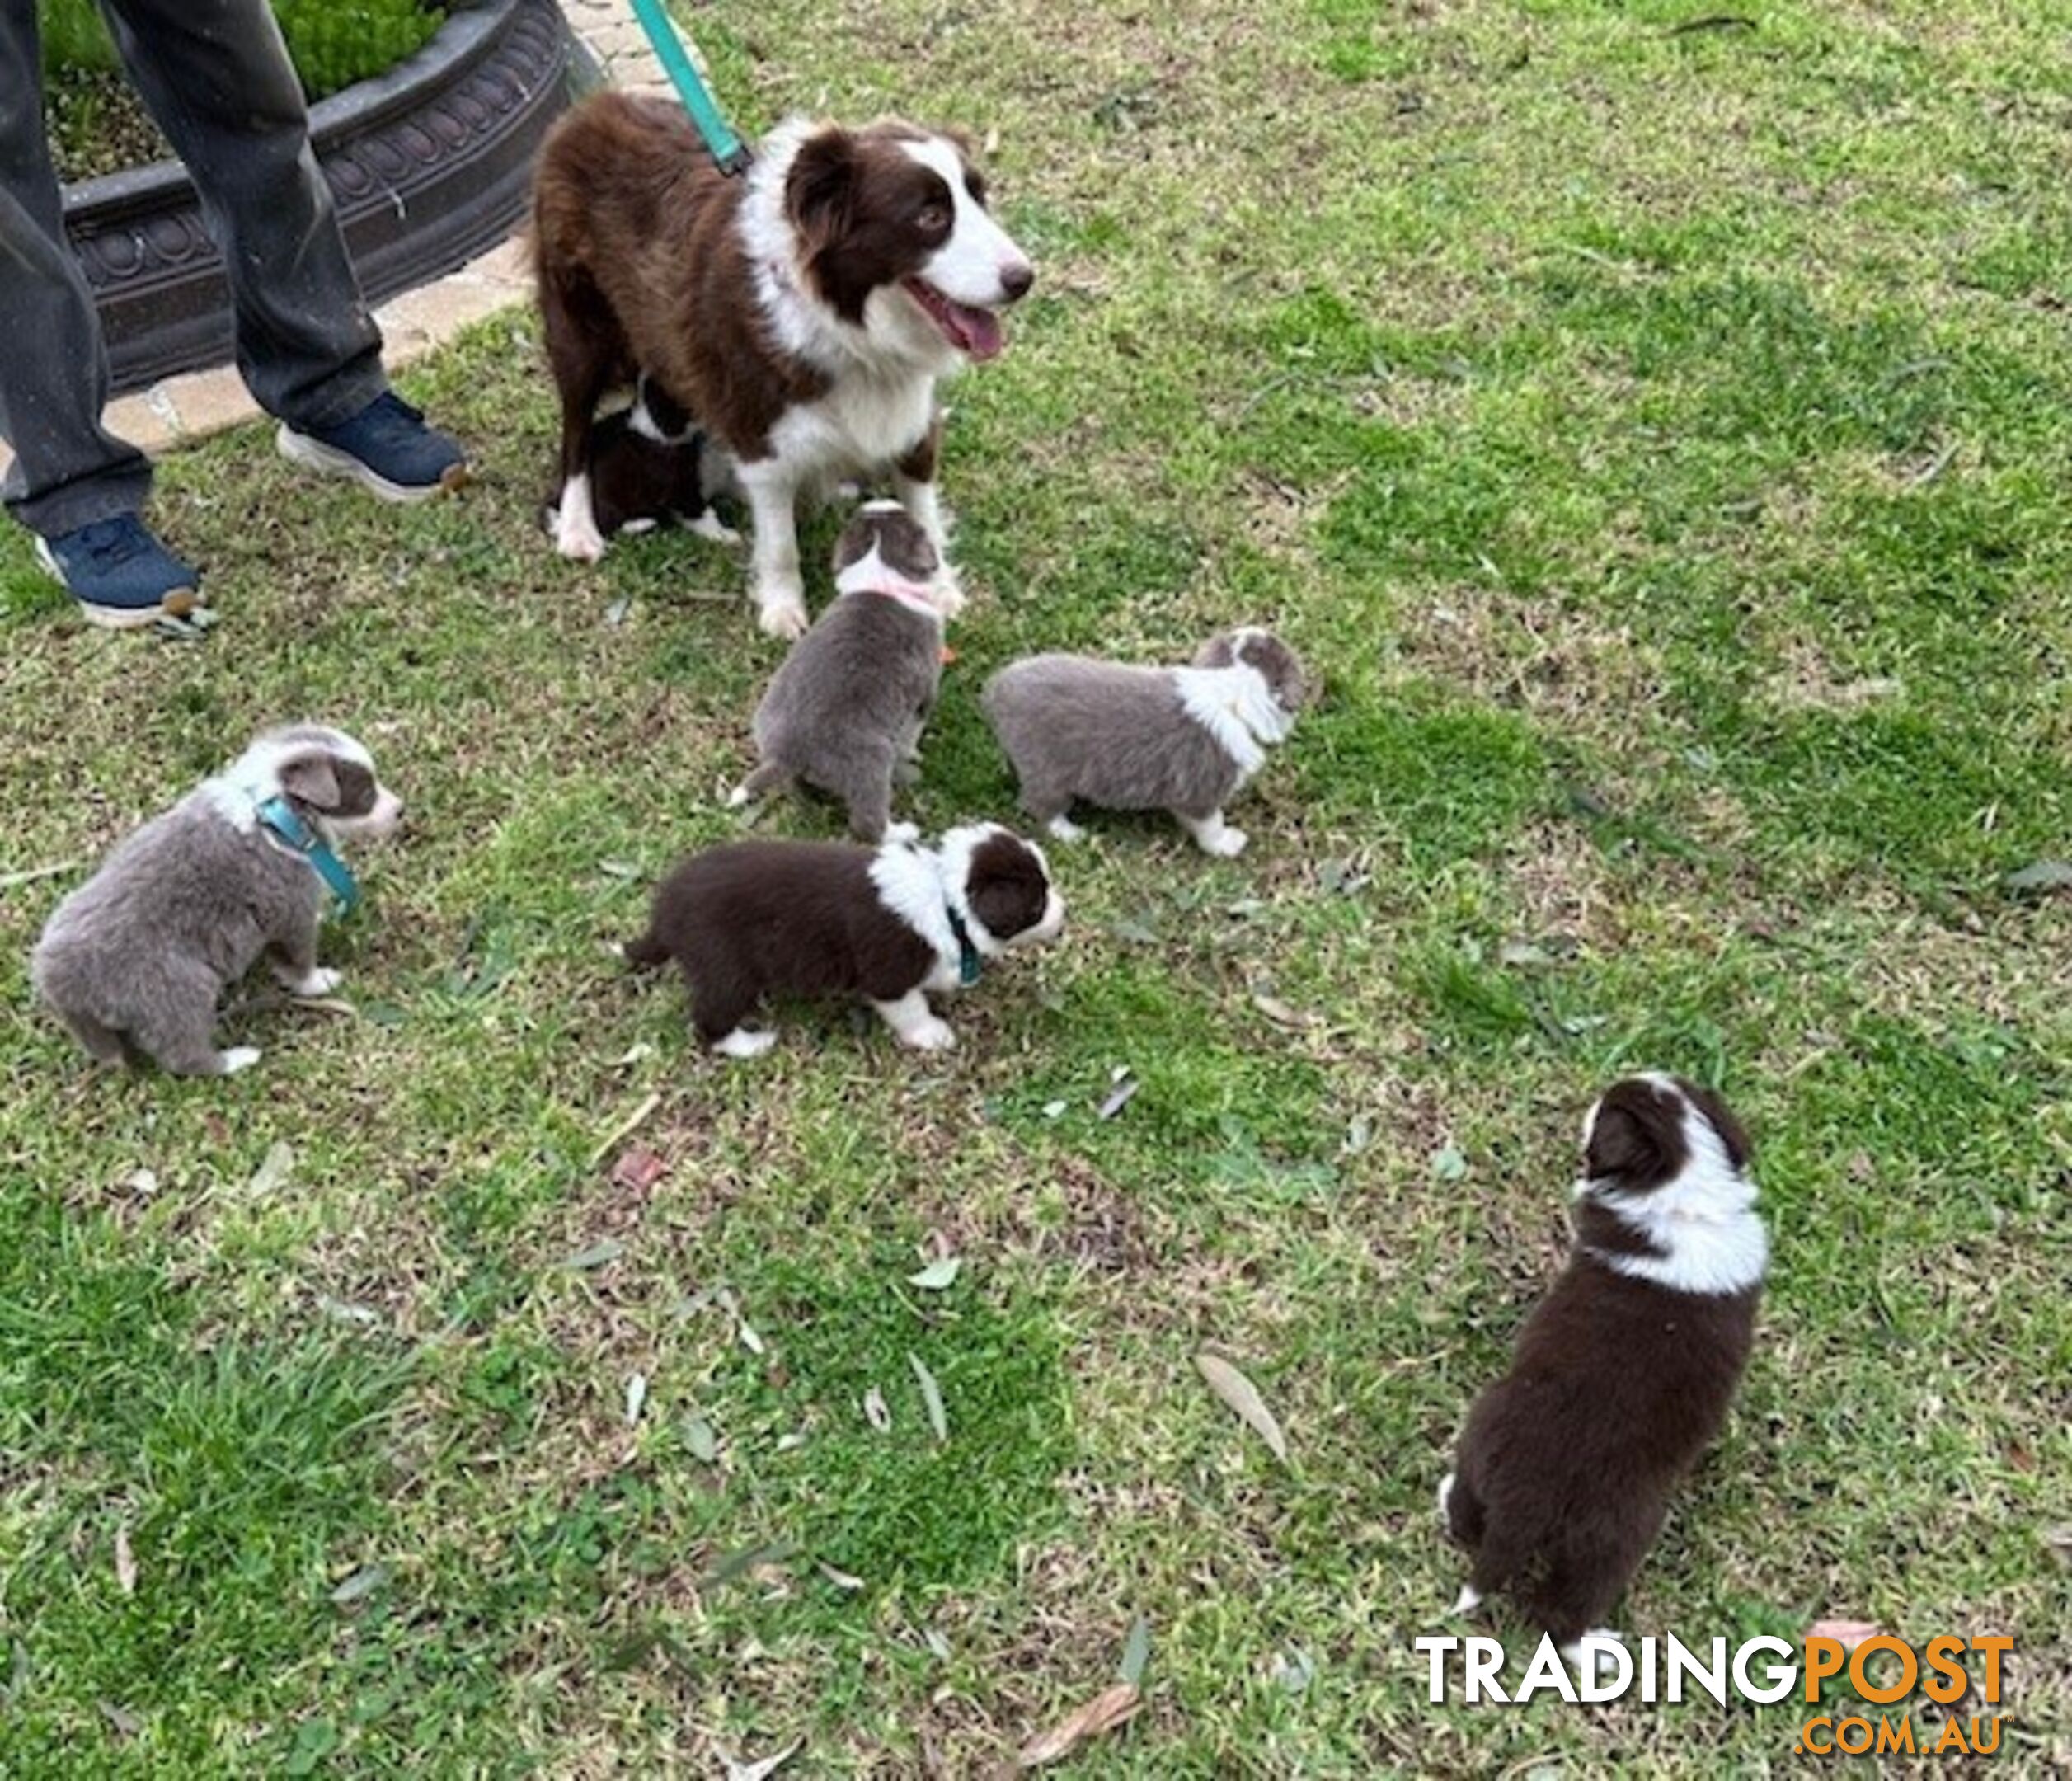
[386, 447]
[122, 576]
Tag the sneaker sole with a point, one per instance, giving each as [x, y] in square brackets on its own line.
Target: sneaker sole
[328, 460]
[175, 603]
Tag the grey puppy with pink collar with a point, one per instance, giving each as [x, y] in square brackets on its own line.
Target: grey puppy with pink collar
[845, 711]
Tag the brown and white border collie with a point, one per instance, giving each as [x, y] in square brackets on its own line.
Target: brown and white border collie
[800, 314]
[894, 925]
[1622, 1376]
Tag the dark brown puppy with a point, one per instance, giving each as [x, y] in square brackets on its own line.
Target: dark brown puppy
[801, 313]
[892, 924]
[1622, 1376]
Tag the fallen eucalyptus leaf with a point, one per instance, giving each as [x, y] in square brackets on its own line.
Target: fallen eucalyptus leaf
[1053, 1109]
[360, 1584]
[2038, 880]
[1136, 1651]
[1279, 1012]
[937, 1644]
[345, 1313]
[1242, 1397]
[930, 1395]
[698, 1435]
[937, 1274]
[125, 1562]
[636, 1397]
[638, 1170]
[842, 1580]
[615, 614]
[126, 1723]
[1110, 1708]
[272, 1173]
[605, 1249]
[876, 1411]
[1449, 1164]
[761, 1770]
[749, 1340]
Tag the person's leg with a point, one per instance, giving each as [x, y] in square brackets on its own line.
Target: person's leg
[216, 76]
[68, 472]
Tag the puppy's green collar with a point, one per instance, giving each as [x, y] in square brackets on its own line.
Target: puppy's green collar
[281, 819]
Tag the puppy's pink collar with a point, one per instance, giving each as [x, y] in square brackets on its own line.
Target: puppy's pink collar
[911, 593]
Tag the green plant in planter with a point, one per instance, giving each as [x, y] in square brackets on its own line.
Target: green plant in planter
[332, 43]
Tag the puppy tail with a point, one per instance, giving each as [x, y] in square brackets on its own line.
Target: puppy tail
[645, 953]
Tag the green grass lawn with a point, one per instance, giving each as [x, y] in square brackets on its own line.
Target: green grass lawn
[1657, 440]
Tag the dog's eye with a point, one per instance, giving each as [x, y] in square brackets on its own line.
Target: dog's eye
[934, 220]
[974, 185]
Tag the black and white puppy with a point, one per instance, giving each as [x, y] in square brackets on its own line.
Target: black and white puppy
[894, 925]
[1183, 740]
[136, 958]
[845, 711]
[1622, 1376]
[650, 468]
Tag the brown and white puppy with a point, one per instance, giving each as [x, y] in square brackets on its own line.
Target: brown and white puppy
[136, 958]
[1183, 740]
[802, 313]
[1622, 1376]
[845, 711]
[648, 467]
[894, 925]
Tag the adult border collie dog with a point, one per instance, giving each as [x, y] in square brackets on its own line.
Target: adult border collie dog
[801, 313]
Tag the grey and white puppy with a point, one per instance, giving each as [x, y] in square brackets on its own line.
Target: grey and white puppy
[844, 713]
[136, 958]
[1183, 740]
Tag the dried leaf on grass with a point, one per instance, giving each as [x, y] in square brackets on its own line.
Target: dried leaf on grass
[2038, 880]
[931, 1396]
[876, 1411]
[2057, 1541]
[1242, 1397]
[1119, 1096]
[939, 1274]
[738, 1769]
[1282, 1014]
[638, 1170]
[1136, 1651]
[1110, 1708]
[699, 1437]
[360, 1584]
[636, 1397]
[272, 1173]
[605, 1249]
[125, 1562]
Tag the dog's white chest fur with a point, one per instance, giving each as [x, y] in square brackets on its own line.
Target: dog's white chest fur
[1234, 705]
[863, 422]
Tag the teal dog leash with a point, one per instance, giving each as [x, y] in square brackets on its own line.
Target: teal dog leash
[729, 153]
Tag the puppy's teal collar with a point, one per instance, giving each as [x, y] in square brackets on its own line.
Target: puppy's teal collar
[282, 819]
[969, 963]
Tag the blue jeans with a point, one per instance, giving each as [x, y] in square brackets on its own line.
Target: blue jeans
[215, 74]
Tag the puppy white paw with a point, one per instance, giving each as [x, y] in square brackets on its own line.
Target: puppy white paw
[780, 612]
[1445, 1497]
[950, 597]
[236, 1059]
[319, 982]
[1601, 1666]
[739, 795]
[1064, 828]
[931, 1035]
[709, 525]
[1226, 844]
[1468, 1600]
[743, 1043]
[903, 831]
[576, 536]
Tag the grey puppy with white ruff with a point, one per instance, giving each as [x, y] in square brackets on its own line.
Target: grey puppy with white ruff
[845, 711]
[1183, 740]
[137, 958]
[893, 924]
[1622, 1376]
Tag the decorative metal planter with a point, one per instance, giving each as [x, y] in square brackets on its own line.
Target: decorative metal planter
[431, 164]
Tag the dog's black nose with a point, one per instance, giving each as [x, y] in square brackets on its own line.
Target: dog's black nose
[1016, 279]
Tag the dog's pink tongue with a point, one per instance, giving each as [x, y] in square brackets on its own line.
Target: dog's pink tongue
[983, 334]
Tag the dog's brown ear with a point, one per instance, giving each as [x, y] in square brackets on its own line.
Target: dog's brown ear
[310, 778]
[1733, 1136]
[822, 183]
[1219, 651]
